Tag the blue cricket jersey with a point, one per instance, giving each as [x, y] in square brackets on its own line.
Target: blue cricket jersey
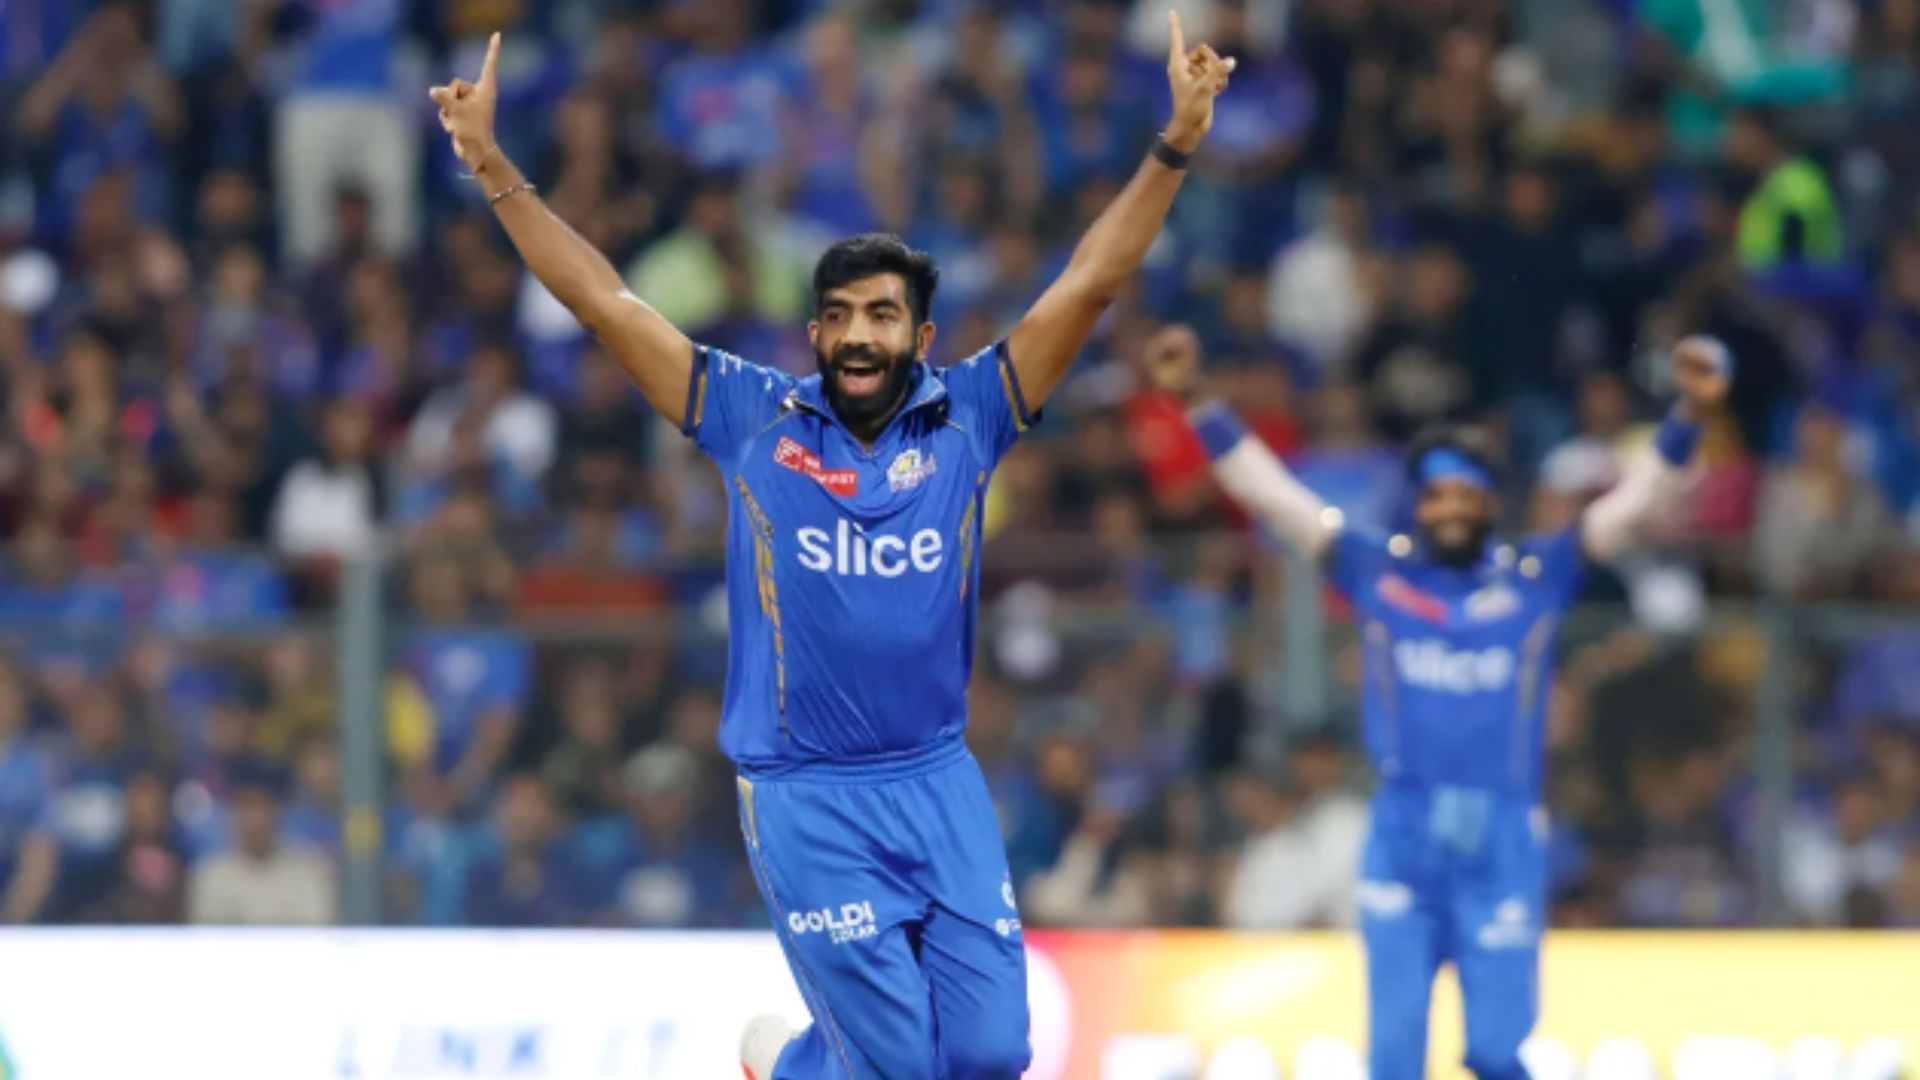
[1458, 663]
[852, 574]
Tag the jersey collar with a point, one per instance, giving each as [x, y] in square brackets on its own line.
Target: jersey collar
[923, 391]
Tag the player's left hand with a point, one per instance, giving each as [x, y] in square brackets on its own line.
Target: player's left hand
[1196, 76]
[1702, 371]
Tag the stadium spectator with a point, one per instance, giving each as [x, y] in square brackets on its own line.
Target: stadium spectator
[584, 771]
[661, 865]
[531, 877]
[341, 120]
[261, 881]
[29, 855]
[1820, 525]
[1320, 292]
[474, 683]
[330, 505]
[1831, 862]
[1301, 861]
[151, 874]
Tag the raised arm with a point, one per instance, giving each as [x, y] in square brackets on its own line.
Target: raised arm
[1244, 467]
[1052, 332]
[654, 352]
[1655, 480]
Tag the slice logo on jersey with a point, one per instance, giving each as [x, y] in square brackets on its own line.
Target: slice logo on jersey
[850, 552]
[842, 482]
[1006, 891]
[848, 922]
[909, 470]
[1431, 665]
[1397, 592]
[1495, 602]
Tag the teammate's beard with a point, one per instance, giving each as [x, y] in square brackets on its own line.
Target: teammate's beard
[1463, 555]
[867, 414]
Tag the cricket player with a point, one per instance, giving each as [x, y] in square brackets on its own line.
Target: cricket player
[1459, 633]
[852, 570]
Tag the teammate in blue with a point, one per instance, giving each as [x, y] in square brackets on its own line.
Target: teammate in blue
[853, 569]
[1459, 634]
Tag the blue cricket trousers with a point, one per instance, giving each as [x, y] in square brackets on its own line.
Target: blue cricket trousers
[1452, 875]
[889, 890]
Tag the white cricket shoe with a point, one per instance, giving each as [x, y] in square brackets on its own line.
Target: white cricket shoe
[761, 1043]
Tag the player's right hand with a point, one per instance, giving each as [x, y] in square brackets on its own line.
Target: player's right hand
[1172, 359]
[466, 110]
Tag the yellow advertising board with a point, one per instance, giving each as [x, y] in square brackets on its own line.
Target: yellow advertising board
[1669, 1005]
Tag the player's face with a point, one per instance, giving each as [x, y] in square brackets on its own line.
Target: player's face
[1455, 517]
[866, 343]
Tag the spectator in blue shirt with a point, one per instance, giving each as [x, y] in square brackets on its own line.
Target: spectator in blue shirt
[532, 878]
[475, 684]
[658, 867]
[1347, 465]
[87, 814]
[104, 106]
[28, 854]
[725, 106]
[56, 612]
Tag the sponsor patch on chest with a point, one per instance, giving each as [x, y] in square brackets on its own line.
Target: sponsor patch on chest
[842, 482]
[1397, 592]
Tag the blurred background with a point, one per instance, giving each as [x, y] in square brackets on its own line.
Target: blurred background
[346, 582]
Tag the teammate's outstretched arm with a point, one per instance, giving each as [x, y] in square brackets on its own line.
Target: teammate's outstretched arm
[1246, 469]
[1654, 481]
[1051, 334]
[654, 352]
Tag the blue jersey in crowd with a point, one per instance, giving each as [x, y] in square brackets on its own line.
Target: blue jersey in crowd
[1458, 662]
[852, 573]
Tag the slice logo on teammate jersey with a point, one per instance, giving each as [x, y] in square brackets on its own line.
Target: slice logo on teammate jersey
[909, 470]
[850, 551]
[1397, 592]
[848, 922]
[1431, 665]
[842, 482]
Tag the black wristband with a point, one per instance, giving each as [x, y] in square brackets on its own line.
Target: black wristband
[1165, 154]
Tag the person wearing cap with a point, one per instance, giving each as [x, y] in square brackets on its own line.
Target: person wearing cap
[1459, 633]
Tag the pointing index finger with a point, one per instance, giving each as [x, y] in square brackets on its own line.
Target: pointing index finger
[1177, 40]
[493, 58]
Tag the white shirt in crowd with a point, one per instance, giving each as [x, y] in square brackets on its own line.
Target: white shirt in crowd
[323, 510]
[1315, 297]
[1303, 873]
[521, 431]
[288, 888]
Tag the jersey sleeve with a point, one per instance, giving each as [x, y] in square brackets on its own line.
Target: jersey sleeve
[728, 401]
[1355, 559]
[1560, 565]
[986, 385]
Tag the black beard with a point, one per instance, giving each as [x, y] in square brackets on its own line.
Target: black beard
[1461, 556]
[865, 416]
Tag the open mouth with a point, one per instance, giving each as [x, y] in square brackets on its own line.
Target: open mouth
[861, 377]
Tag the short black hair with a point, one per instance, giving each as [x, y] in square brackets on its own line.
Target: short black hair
[1469, 442]
[871, 254]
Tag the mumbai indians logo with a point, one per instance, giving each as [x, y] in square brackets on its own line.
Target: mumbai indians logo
[1491, 603]
[851, 922]
[909, 470]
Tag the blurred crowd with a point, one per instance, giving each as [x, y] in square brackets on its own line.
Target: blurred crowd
[255, 323]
